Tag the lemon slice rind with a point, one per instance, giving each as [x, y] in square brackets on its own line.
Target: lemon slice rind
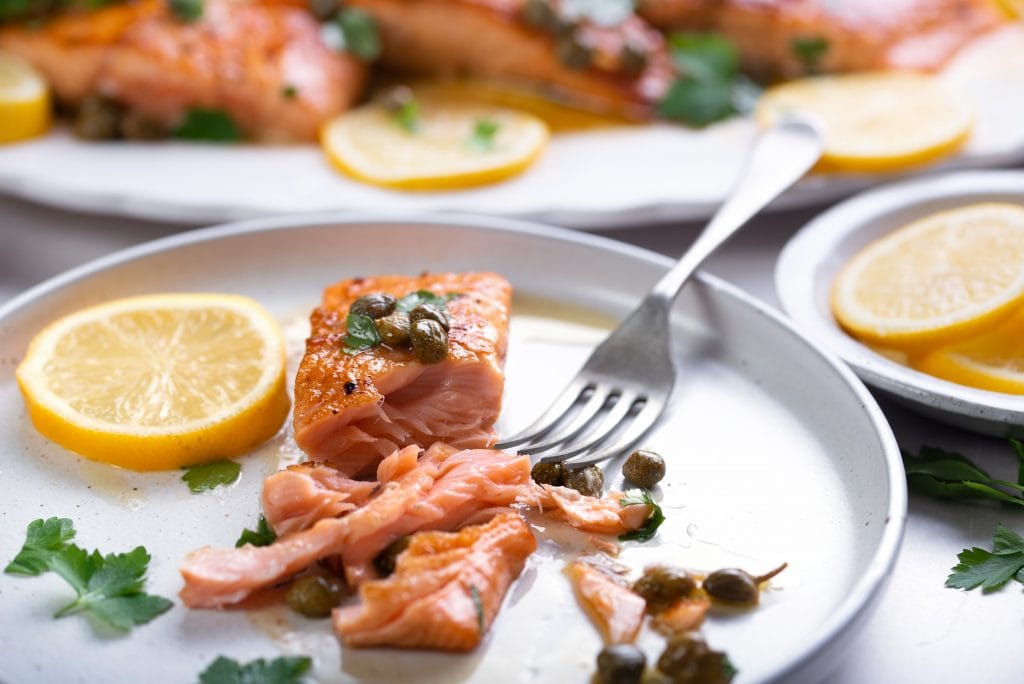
[24, 101]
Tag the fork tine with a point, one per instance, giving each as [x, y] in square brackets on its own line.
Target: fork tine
[643, 422]
[580, 422]
[611, 423]
[554, 414]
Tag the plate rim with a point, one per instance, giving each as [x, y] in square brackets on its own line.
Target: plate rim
[805, 252]
[865, 593]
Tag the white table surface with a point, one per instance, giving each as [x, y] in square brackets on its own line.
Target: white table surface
[922, 632]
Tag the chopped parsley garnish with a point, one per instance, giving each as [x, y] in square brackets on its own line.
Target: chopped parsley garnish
[414, 299]
[810, 51]
[479, 606]
[709, 86]
[484, 131]
[362, 333]
[109, 588]
[950, 475]
[202, 478]
[404, 108]
[209, 125]
[186, 10]
[600, 12]
[990, 570]
[261, 536]
[283, 670]
[654, 519]
[359, 33]
[289, 92]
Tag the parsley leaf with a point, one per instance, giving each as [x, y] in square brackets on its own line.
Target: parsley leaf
[709, 86]
[261, 536]
[362, 333]
[209, 125]
[186, 10]
[43, 539]
[404, 108]
[414, 299]
[284, 670]
[474, 593]
[207, 476]
[484, 130]
[359, 33]
[654, 519]
[810, 51]
[109, 587]
[950, 475]
[990, 570]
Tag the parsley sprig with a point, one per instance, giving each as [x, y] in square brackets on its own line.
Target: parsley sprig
[654, 518]
[208, 125]
[949, 475]
[359, 33]
[207, 476]
[990, 570]
[261, 536]
[283, 670]
[109, 588]
[709, 86]
[484, 132]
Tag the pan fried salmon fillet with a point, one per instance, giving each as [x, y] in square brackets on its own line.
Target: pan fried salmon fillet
[616, 612]
[445, 591]
[622, 68]
[262, 63]
[856, 34]
[352, 410]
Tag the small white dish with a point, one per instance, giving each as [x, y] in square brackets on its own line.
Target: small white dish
[810, 261]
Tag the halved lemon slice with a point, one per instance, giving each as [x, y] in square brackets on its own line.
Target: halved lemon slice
[994, 361]
[940, 279]
[442, 143]
[159, 381]
[876, 121]
[24, 101]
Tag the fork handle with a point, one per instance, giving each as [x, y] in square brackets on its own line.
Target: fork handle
[780, 156]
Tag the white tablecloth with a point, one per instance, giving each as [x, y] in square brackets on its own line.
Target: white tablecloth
[922, 632]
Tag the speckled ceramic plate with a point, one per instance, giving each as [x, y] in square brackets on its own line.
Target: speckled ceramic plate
[775, 453]
[813, 257]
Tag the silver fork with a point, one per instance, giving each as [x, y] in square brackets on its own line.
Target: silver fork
[626, 383]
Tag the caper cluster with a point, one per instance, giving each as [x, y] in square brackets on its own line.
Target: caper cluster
[687, 659]
[570, 48]
[424, 329]
[588, 481]
[101, 118]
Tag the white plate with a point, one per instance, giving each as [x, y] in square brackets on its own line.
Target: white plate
[813, 257]
[776, 452]
[604, 178]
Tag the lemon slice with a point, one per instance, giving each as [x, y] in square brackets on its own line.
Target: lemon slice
[24, 101]
[158, 382]
[938, 280]
[1013, 9]
[994, 361]
[450, 143]
[876, 121]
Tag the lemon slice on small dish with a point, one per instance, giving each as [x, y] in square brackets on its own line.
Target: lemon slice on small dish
[24, 101]
[876, 121]
[994, 361]
[434, 143]
[939, 280]
[159, 381]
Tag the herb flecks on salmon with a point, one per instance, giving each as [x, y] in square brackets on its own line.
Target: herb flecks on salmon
[352, 410]
[445, 592]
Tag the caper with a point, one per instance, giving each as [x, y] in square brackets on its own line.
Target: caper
[98, 118]
[548, 473]
[644, 468]
[540, 14]
[737, 586]
[661, 586]
[573, 53]
[136, 126]
[376, 305]
[687, 658]
[394, 329]
[315, 595]
[620, 664]
[429, 341]
[589, 480]
[632, 59]
[431, 312]
[323, 9]
[384, 563]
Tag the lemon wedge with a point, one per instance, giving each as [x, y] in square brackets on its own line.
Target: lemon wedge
[876, 121]
[24, 101]
[938, 280]
[441, 143]
[994, 361]
[159, 381]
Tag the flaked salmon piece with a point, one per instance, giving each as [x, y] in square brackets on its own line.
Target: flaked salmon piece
[621, 68]
[682, 616]
[616, 611]
[446, 488]
[262, 63]
[604, 515]
[298, 496]
[352, 410]
[855, 34]
[445, 591]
